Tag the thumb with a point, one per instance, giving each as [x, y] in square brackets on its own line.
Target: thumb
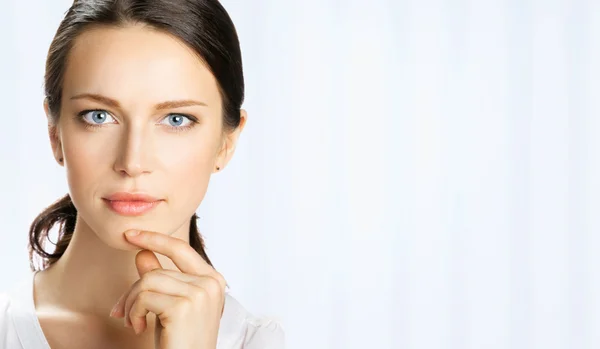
[145, 261]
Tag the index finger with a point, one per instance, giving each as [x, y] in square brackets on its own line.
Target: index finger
[179, 251]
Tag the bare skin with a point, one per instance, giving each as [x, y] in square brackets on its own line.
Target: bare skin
[132, 147]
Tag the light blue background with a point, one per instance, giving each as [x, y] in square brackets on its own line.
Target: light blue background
[414, 174]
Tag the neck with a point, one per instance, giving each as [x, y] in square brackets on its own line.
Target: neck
[91, 276]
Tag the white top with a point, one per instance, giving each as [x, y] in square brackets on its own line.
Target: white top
[20, 327]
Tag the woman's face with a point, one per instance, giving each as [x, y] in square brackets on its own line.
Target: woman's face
[140, 113]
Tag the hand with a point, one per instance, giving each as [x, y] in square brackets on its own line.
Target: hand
[188, 304]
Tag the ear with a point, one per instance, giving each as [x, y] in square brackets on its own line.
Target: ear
[54, 135]
[229, 144]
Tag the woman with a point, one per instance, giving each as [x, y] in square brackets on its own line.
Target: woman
[143, 100]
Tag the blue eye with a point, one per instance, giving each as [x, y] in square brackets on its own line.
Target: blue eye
[178, 120]
[97, 116]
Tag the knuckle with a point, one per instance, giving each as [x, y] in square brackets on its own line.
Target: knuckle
[220, 279]
[144, 283]
[213, 285]
[147, 280]
[143, 297]
[184, 305]
[200, 296]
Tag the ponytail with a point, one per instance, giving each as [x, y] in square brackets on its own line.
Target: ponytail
[64, 214]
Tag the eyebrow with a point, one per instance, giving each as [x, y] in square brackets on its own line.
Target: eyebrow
[160, 106]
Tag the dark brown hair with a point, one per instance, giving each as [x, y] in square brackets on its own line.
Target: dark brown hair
[203, 25]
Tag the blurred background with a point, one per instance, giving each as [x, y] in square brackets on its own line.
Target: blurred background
[413, 174]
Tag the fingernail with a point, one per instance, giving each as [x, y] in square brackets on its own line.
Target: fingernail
[114, 310]
[132, 233]
[115, 307]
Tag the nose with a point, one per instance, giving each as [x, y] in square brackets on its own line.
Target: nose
[134, 154]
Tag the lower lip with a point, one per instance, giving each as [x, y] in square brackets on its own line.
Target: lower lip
[131, 208]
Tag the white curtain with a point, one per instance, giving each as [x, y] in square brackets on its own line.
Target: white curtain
[414, 174]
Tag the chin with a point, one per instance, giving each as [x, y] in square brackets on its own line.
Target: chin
[114, 238]
[110, 227]
[110, 231]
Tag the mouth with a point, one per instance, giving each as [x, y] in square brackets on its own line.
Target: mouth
[129, 204]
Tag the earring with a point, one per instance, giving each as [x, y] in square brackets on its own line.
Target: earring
[218, 168]
[60, 160]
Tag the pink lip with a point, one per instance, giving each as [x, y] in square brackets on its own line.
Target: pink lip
[129, 204]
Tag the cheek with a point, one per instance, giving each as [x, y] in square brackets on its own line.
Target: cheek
[86, 164]
[188, 173]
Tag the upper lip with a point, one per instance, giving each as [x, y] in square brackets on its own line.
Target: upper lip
[125, 196]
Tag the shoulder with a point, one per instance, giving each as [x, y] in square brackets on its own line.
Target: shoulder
[5, 301]
[241, 329]
[16, 315]
[9, 302]
[7, 330]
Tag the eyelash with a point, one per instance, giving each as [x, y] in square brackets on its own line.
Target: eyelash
[176, 129]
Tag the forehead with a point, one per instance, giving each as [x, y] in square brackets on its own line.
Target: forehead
[135, 64]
